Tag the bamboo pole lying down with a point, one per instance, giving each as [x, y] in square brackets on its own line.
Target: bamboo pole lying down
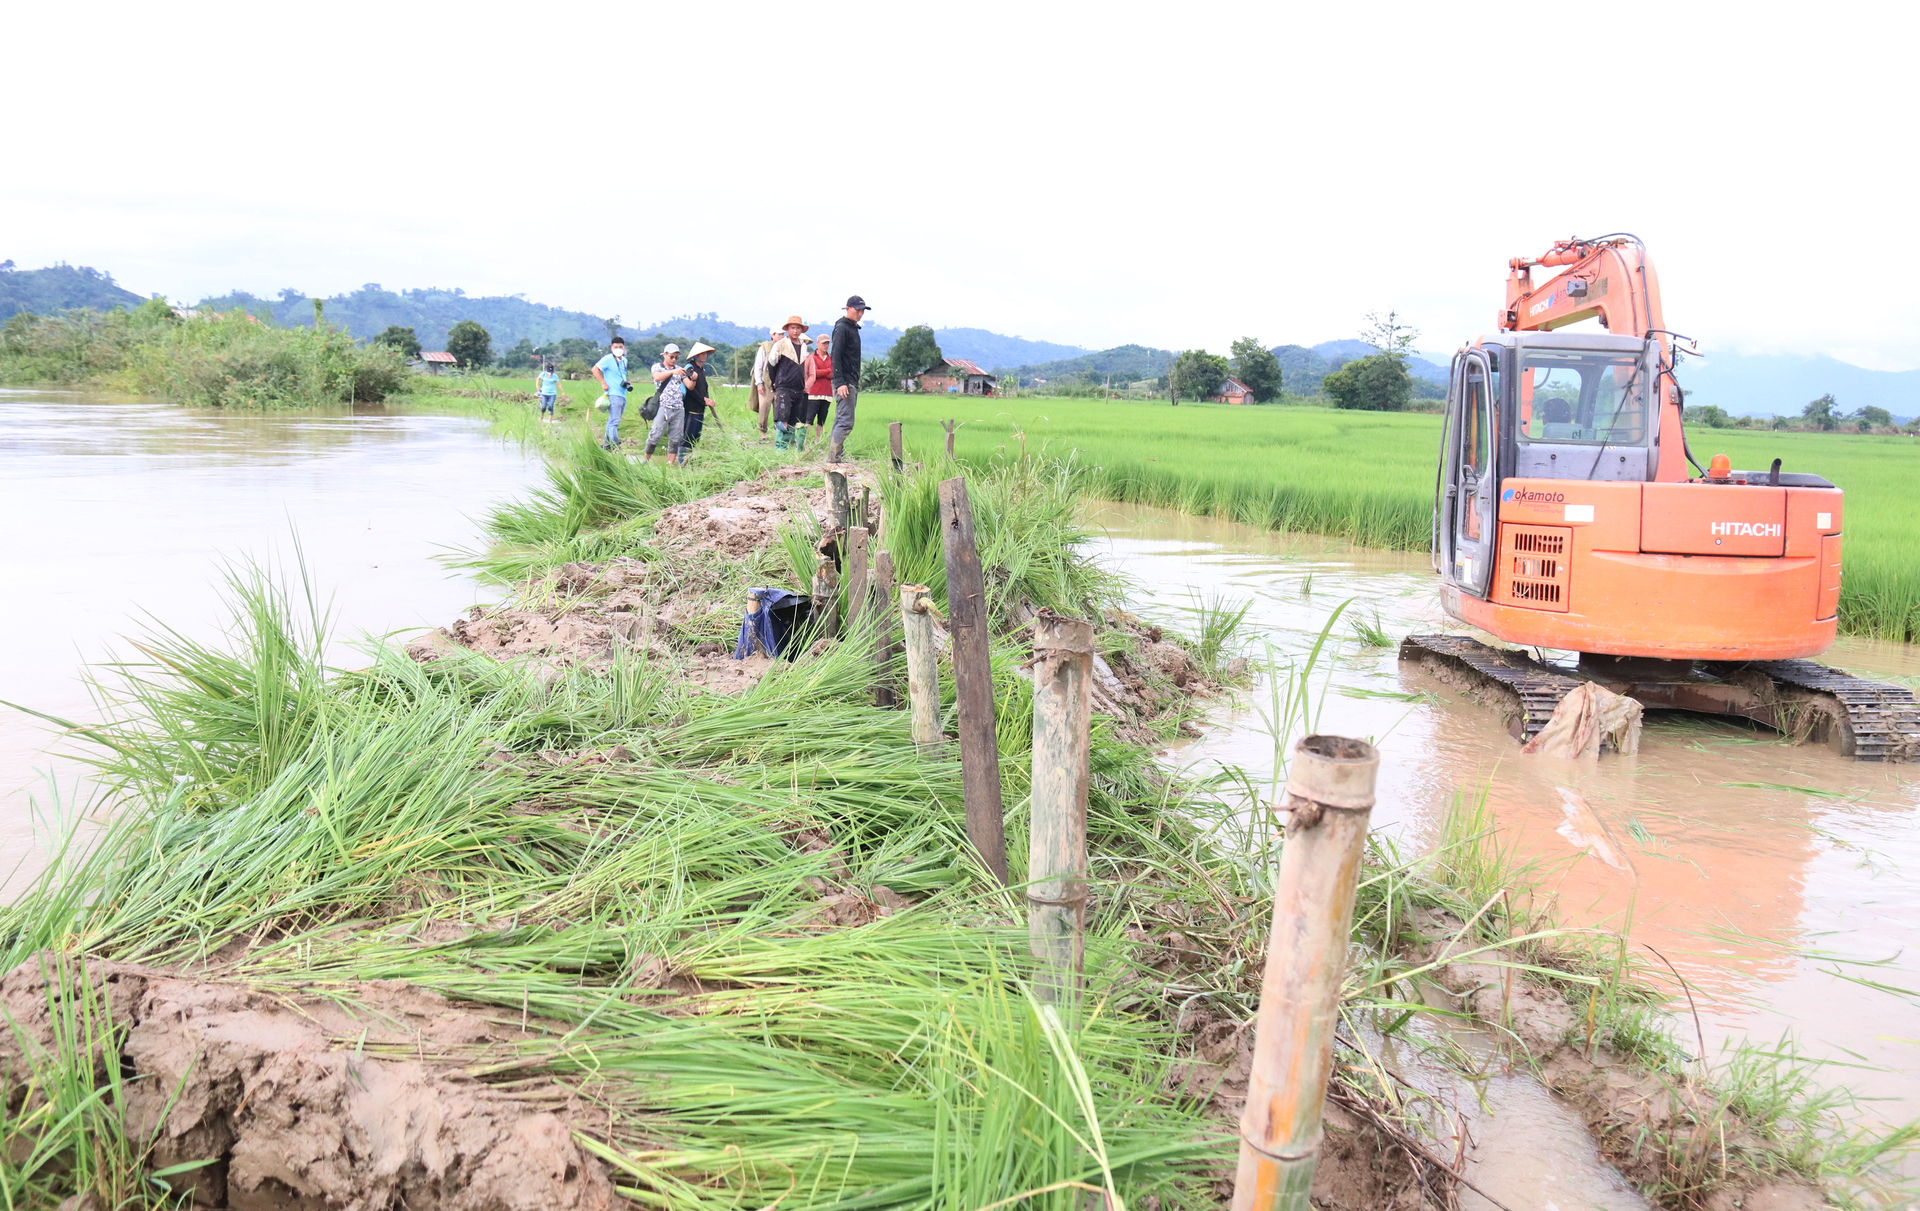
[1330, 795]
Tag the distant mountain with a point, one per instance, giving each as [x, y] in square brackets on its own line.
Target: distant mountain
[60, 287]
[1302, 367]
[430, 312]
[1125, 363]
[1339, 353]
[1777, 384]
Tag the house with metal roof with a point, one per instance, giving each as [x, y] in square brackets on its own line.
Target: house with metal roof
[436, 363]
[957, 376]
[1232, 391]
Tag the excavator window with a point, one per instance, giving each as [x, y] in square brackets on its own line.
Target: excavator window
[1473, 435]
[1583, 396]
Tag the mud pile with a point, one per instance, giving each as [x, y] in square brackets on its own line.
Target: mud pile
[684, 605]
[303, 1103]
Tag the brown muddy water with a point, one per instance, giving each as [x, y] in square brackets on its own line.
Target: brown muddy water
[117, 510]
[1780, 881]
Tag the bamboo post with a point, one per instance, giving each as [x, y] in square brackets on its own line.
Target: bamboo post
[753, 616]
[896, 447]
[826, 597]
[885, 641]
[842, 508]
[1329, 794]
[973, 679]
[856, 576]
[923, 665]
[865, 516]
[1057, 864]
[948, 426]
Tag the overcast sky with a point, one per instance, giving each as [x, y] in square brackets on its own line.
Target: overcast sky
[1174, 174]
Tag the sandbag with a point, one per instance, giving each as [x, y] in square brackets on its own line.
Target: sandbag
[1587, 718]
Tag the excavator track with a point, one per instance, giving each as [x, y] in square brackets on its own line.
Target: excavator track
[1864, 720]
[1531, 689]
[1884, 719]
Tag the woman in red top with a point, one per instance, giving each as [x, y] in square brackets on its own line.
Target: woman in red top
[819, 388]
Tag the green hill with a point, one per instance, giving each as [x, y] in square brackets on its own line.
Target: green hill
[60, 287]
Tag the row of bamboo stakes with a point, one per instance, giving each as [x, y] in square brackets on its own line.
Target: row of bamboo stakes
[1329, 799]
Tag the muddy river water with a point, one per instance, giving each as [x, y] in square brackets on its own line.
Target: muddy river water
[1779, 880]
[114, 511]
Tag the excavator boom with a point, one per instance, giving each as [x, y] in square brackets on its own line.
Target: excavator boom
[1610, 279]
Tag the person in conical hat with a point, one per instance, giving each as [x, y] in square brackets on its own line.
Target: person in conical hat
[787, 371]
[696, 400]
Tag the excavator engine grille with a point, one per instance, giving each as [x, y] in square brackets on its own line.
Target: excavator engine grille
[1533, 567]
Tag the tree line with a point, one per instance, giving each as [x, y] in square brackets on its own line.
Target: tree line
[1823, 415]
[1379, 382]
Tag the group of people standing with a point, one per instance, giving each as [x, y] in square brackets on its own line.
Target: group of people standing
[680, 395]
[796, 381]
[795, 386]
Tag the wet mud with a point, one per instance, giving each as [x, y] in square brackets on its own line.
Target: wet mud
[310, 1101]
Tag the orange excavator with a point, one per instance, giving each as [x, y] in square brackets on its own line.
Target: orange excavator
[1569, 515]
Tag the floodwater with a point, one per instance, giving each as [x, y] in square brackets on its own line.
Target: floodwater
[117, 511]
[1780, 881]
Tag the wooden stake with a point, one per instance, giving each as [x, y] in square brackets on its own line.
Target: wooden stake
[897, 447]
[923, 665]
[1057, 863]
[973, 679]
[865, 516]
[753, 629]
[886, 641]
[826, 598]
[1329, 794]
[948, 426]
[856, 576]
[842, 508]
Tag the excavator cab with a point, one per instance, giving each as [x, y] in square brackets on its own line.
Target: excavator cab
[1536, 406]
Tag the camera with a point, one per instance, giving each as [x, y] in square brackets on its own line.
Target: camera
[625, 385]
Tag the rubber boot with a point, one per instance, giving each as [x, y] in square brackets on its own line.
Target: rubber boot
[834, 453]
[800, 438]
[779, 435]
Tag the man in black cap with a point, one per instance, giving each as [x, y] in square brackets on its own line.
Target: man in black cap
[846, 374]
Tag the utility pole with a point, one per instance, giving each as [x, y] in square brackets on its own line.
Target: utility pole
[1173, 398]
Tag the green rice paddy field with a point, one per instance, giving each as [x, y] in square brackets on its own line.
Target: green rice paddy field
[1368, 476]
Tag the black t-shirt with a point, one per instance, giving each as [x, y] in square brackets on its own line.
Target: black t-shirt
[696, 396]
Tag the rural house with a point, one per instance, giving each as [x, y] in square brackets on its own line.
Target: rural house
[1233, 391]
[437, 362]
[957, 376]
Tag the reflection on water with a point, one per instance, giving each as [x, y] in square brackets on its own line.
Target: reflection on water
[1770, 875]
[116, 509]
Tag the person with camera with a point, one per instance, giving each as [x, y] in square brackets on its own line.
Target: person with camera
[670, 420]
[787, 371]
[611, 373]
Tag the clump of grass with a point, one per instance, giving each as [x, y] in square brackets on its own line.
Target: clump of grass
[1369, 631]
[1217, 629]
